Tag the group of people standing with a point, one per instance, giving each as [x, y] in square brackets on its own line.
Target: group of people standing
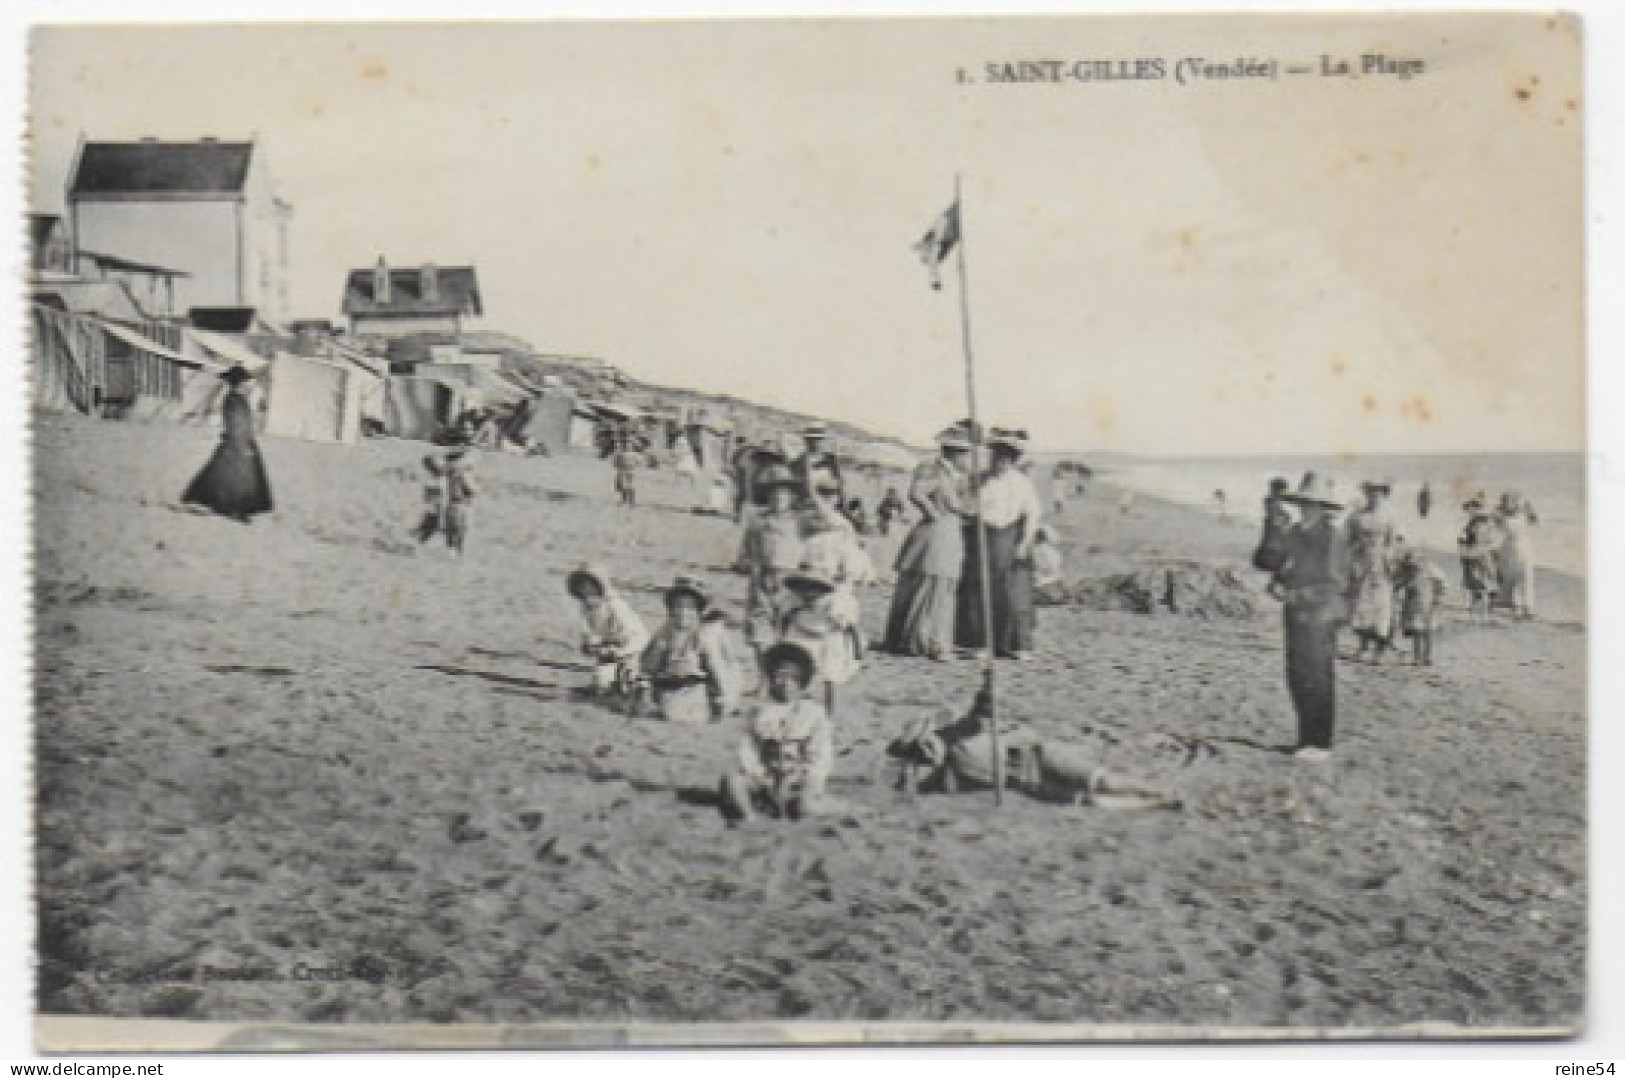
[1363, 574]
[938, 607]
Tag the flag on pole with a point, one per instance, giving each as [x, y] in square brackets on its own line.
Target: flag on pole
[936, 244]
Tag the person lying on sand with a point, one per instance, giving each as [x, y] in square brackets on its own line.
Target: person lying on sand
[959, 756]
[612, 634]
[784, 760]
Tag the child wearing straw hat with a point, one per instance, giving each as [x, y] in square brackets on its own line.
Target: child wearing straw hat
[812, 623]
[685, 662]
[612, 633]
[783, 762]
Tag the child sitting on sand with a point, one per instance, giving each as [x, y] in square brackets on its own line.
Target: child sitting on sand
[686, 662]
[434, 500]
[1048, 586]
[612, 636]
[1420, 588]
[784, 760]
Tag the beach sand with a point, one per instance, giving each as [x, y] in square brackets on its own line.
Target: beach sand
[303, 770]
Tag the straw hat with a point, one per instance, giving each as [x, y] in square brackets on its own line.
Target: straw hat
[1511, 503]
[589, 572]
[815, 430]
[958, 435]
[1384, 485]
[1014, 440]
[690, 586]
[809, 578]
[1313, 490]
[794, 654]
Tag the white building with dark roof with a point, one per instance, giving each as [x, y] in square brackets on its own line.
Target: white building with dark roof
[204, 211]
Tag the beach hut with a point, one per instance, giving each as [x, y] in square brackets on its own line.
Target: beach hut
[313, 400]
[419, 407]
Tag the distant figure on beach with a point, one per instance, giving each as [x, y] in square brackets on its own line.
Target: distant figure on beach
[1420, 587]
[684, 461]
[1221, 505]
[890, 511]
[1476, 547]
[858, 516]
[685, 662]
[1310, 563]
[1516, 557]
[784, 760]
[921, 620]
[434, 500]
[1424, 500]
[1010, 515]
[817, 460]
[625, 463]
[1370, 537]
[460, 492]
[771, 539]
[1049, 582]
[233, 483]
[613, 636]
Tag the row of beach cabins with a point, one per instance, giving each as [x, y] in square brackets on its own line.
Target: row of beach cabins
[170, 264]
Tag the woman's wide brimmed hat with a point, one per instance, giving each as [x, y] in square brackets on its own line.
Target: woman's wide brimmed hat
[1384, 485]
[589, 572]
[1003, 438]
[235, 375]
[815, 430]
[1511, 502]
[691, 586]
[1313, 491]
[960, 435]
[809, 578]
[788, 652]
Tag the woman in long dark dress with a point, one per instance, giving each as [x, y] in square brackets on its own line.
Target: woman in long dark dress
[1010, 515]
[233, 483]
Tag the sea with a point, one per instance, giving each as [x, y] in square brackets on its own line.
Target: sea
[1554, 483]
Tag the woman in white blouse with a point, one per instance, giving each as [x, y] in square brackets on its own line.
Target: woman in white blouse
[1011, 514]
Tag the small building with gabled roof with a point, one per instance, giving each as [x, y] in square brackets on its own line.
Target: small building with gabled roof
[388, 301]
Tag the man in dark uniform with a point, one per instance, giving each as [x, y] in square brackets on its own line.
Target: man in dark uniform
[1310, 563]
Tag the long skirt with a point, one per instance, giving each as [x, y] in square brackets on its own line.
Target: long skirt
[234, 482]
[1373, 613]
[1311, 672]
[1011, 585]
[922, 615]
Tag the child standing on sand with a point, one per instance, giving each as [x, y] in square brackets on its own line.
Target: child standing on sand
[434, 500]
[1420, 587]
[460, 492]
[784, 760]
[812, 623]
[625, 463]
[612, 634]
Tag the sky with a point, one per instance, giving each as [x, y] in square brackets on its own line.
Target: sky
[1304, 265]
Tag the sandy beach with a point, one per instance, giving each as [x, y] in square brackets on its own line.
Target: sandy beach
[303, 770]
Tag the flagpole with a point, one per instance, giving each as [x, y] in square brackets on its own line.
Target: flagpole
[976, 496]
